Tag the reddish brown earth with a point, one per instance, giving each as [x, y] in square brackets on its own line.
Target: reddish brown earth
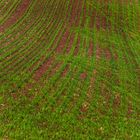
[83, 75]
[92, 15]
[104, 51]
[98, 52]
[106, 95]
[62, 43]
[73, 13]
[16, 15]
[90, 50]
[64, 73]
[107, 54]
[101, 22]
[117, 101]
[69, 8]
[43, 68]
[59, 35]
[79, 11]
[130, 110]
[42, 58]
[85, 107]
[84, 16]
[94, 72]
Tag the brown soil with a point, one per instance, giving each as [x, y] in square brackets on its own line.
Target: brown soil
[98, 52]
[84, 107]
[92, 17]
[107, 54]
[42, 69]
[83, 75]
[79, 11]
[115, 56]
[130, 109]
[90, 89]
[69, 8]
[65, 71]
[90, 50]
[104, 23]
[106, 95]
[62, 42]
[36, 63]
[84, 16]
[56, 39]
[73, 13]
[16, 15]
[117, 101]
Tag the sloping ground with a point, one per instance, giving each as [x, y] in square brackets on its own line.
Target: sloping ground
[69, 69]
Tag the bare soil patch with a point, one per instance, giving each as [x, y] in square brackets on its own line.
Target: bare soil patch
[16, 15]
[43, 68]
[62, 42]
[64, 73]
[91, 48]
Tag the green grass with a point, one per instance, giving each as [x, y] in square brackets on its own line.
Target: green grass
[85, 96]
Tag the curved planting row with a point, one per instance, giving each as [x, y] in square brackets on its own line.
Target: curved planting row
[69, 69]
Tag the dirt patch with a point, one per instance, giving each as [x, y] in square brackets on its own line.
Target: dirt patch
[17, 14]
[58, 36]
[92, 17]
[105, 23]
[69, 8]
[84, 16]
[115, 56]
[83, 75]
[36, 63]
[106, 95]
[79, 11]
[101, 22]
[85, 107]
[107, 53]
[117, 101]
[73, 13]
[42, 69]
[26, 89]
[64, 73]
[62, 42]
[91, 86]
[90, 50]
[98, 52]
[130, 110]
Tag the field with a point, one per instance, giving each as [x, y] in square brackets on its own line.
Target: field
[70, 69]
